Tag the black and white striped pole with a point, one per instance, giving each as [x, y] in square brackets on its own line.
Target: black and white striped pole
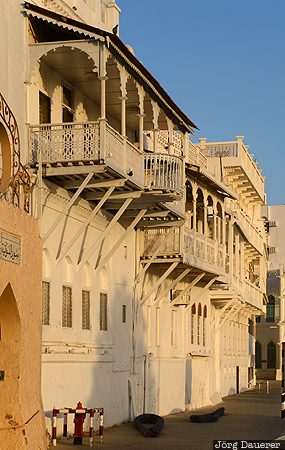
[283, 382]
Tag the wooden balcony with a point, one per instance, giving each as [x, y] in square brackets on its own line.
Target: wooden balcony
[251, 295]
[91, 143]
[193, 249]
[238, 164]
[253, 235]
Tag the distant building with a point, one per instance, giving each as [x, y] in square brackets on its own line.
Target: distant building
[270, 332]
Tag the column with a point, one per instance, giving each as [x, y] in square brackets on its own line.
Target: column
[194, 214]
[123, 115]
[102, 119]
[103, 80]
[170, 136]
[205, 221]
[141, 131]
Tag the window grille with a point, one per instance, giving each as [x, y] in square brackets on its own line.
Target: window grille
[45, 303]
[86, 310]
[204, 331]
[157, 326]
[199, 330]
[192, 328]
[124, 313]
[173, 329]
[103, 312]
[149, 324]
[66, 306]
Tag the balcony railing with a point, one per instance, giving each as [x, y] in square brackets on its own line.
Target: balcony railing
[195, 248]
[195, 156]
[64, 142]
[252, 232]
[239, 151]
[72, 142]
[163, 171]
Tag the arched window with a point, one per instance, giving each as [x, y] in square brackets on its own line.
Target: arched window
[204, 324]
[270, 309]
[271, 355]
[257, 355]
[210, 217]
[199, 324]
[200, 212]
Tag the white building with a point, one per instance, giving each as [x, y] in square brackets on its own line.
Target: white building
[153, 247]
[270, 332]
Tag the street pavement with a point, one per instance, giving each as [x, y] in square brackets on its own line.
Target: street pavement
[249, 415]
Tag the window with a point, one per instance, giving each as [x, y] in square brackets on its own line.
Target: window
[66, 306]
[270, 309]
[204, 325]
[67, 104]
[271, 355]
[86, 310]
[257, 355]
[103, 312]
[44, 108]
[193, 312]
[257, 319]
[124, 313]
[157, 330]
[148, 325]
[199, 324]
[173, 329]
[45, 303]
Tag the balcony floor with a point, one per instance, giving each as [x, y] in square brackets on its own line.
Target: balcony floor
[71, 175]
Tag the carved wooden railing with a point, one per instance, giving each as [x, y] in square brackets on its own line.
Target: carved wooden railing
[184, 242]
[71, 142]
[236, 149]
[163, 171]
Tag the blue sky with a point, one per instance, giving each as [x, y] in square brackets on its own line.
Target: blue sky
[223, 62]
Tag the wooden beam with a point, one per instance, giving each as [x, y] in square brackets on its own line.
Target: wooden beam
[119, 241]
[188, 288]
[221, 312]
[229, 314]
[203, 290]
[158, 283]
[160, 223]
[84, 225]
[117, 196]
[161, 241]
[69, 184]
[172, 285]
[72, 170]
[105, 232]
[133, 213]
[68, 206]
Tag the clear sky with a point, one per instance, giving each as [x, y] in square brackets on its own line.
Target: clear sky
[223, 63]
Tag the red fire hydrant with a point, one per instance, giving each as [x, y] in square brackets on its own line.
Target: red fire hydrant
[78, 425]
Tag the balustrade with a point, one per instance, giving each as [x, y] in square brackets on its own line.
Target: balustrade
[64, 142]
[163, 171]
[73, 142]
[185, 242]
[237, 150]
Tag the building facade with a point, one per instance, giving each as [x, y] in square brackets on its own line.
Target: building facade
[270, 331]
[22, 423]
[153, 246]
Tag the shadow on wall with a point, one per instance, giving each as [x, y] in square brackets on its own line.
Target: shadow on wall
[107, 377]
